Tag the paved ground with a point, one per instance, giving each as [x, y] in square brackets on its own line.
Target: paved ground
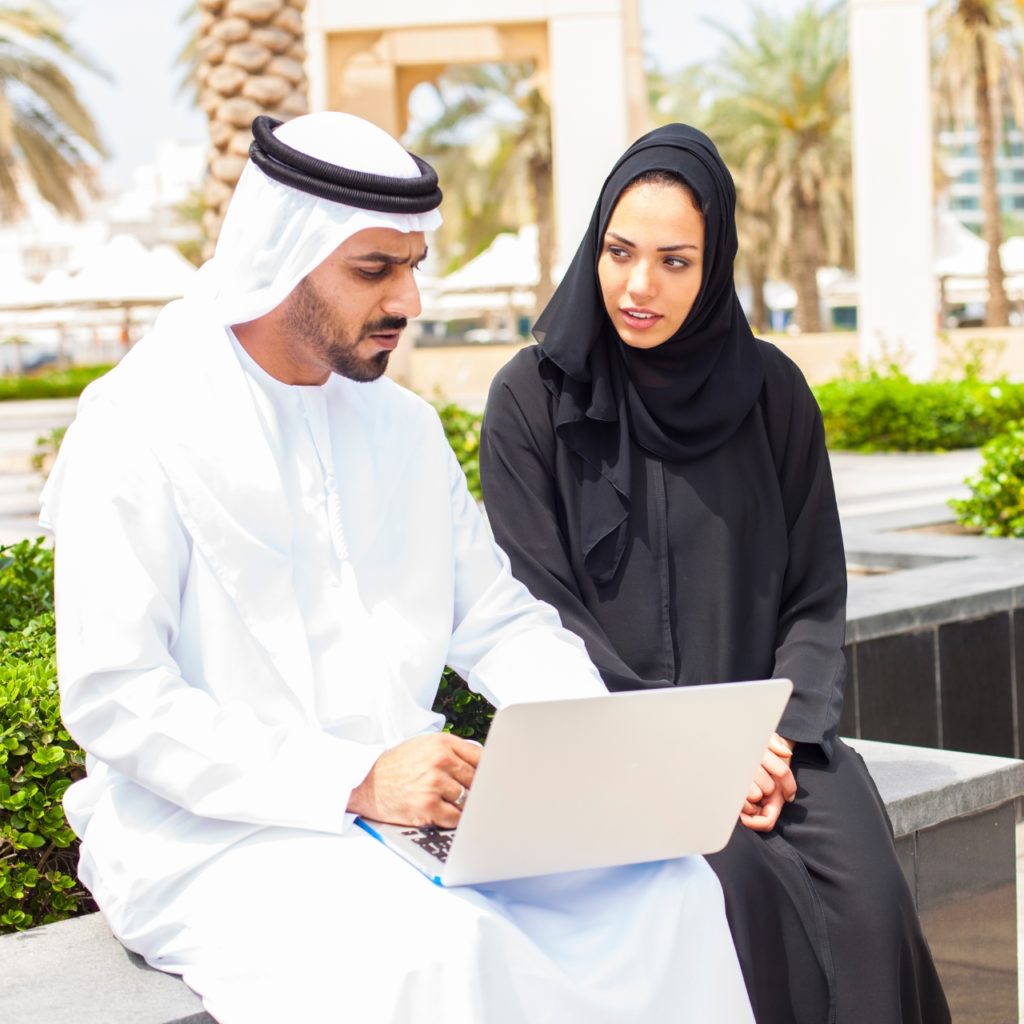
[894, 481]
[865, 485]
[21, 423]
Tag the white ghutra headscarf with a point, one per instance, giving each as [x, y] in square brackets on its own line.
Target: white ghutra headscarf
[274, 234]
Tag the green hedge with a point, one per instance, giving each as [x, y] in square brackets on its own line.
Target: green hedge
[468, 714]
[69, 383]
[882, 410]
[996, 504]
[462, 428]
[38, 759]
[889, 412]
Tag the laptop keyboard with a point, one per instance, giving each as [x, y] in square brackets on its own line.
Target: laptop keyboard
[435, 841]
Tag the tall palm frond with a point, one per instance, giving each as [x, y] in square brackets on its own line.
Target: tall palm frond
[781, 118]
[491, 141]
[976, 62]
[687, 96]
[187, 59]
[47, 137]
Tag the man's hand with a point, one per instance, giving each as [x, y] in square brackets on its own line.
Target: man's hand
[419, 781]
[773, 786]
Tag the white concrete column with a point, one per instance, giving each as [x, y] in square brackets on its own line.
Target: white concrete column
[892, 178]
[316, 55]
[589, 116]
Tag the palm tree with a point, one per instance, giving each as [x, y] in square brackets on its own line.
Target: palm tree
[250, 62]
[976, 63]
[491, 141]
[47, 137]
[687, 96]
[682, 95]
[757, 227]
[781, 116]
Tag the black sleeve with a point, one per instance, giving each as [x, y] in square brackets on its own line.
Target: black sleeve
[812, 614]
[517, 473]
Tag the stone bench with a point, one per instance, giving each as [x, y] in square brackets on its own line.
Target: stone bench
[953, 815]
[954, 818]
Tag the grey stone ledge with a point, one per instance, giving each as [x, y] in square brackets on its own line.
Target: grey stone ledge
[936, 577]
[76, 972]
[946, 592]
[923, 787]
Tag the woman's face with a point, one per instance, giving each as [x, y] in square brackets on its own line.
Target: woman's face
[651, 262]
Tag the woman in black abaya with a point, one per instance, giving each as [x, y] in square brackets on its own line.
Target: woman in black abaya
[660, 476]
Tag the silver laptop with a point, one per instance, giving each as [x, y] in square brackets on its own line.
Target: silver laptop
[601, 781]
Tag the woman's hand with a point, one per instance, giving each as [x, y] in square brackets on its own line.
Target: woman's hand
[774, 785]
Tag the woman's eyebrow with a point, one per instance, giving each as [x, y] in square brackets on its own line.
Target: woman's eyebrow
[661, 248]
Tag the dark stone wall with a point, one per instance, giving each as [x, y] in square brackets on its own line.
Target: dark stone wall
[954, 685]
[963, 874]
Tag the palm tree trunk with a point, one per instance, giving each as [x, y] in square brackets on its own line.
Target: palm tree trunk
[997, 310]
[541, 181]
[804, 261]
[251, 63]
[758, 307]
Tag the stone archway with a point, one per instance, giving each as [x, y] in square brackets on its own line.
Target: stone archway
[367, 59]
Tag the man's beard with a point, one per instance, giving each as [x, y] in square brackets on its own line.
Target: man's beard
[313, 320]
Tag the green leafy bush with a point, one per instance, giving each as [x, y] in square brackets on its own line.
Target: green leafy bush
[69, 383]
[996, 504]
[38, 759]
[886, 411]
[26, 584]
[462, 428]
[47, 447]
[468, 714]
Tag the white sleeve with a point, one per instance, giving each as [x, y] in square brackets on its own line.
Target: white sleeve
[506, 644]
[122, 557]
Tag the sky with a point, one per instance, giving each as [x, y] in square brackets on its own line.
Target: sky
[137, 42]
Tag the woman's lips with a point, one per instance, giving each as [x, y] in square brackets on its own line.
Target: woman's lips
[640, 319]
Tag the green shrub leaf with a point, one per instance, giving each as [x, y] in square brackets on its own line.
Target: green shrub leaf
[996, 502]
[38, 759]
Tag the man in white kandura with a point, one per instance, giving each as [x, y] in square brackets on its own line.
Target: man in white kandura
[266, 554]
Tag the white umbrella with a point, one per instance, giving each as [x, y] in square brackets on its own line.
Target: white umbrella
[958, 252]
[124, 270]
[17, 290]
[1011, 254]
[509, 262]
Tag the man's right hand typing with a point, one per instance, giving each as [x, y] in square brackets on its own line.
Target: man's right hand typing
[419, 781]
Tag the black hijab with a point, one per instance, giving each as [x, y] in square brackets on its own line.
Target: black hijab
[679, 400]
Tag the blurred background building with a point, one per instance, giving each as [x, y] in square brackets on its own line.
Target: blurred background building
[523, 105]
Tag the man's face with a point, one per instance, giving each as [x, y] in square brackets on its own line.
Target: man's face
[346, 315]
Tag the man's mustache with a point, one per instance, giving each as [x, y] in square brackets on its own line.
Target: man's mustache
[385, 323]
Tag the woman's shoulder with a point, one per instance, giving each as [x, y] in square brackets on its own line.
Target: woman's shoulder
[519, 382]
[780, 370]
[784, 381]
[791, 413]
[519, 406]
[521, 372]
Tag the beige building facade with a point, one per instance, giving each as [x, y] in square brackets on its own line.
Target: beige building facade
[367, 59]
